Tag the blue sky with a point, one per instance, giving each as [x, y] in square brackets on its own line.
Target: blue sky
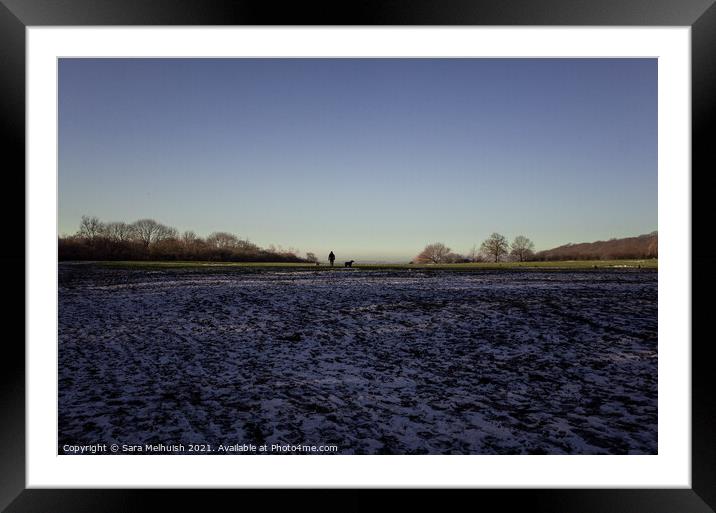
[372, 158]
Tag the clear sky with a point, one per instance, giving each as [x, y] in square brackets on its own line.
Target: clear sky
[370, 158]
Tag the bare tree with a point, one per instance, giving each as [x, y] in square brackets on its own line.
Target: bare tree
[522, 248]
[246, 245]
[311, 257]
[90, 228]
[165, 233]
[222, 240]
[145, 231]
[118, 231]
[189, 238]
[435, 253]
[474, 254]
[495, 247]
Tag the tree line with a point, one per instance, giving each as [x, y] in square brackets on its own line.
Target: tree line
[641, 247]
[496, 248]
[147, 239]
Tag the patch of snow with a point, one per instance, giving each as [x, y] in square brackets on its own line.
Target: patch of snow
[395, 362]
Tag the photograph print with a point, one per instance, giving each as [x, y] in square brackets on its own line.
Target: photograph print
[314, 256]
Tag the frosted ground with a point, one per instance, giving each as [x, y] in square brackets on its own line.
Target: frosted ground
[375, 362]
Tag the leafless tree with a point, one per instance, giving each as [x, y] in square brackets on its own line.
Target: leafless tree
[148, 231]
[522, 248]
[311, 257]
[474, 254]
[222, 240]
[246, 245]
[435, 253]
[145, 231]
[166, 232]
[118, 231]
[90, 228]
[495, 247]
[189, 238]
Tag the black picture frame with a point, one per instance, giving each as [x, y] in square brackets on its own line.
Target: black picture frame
[16, 15]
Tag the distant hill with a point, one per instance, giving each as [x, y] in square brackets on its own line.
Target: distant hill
[642, 246]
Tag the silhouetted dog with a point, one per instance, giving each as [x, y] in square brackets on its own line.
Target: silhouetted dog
[350, 263]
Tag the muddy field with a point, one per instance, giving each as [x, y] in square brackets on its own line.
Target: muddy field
[374, 362]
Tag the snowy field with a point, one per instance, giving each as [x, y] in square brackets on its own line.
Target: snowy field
[374, 362]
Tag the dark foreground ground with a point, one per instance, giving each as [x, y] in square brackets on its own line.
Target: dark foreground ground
[373, 362]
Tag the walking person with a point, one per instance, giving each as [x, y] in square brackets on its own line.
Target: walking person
[331, 258]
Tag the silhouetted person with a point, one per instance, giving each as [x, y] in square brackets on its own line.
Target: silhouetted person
[331, 258]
